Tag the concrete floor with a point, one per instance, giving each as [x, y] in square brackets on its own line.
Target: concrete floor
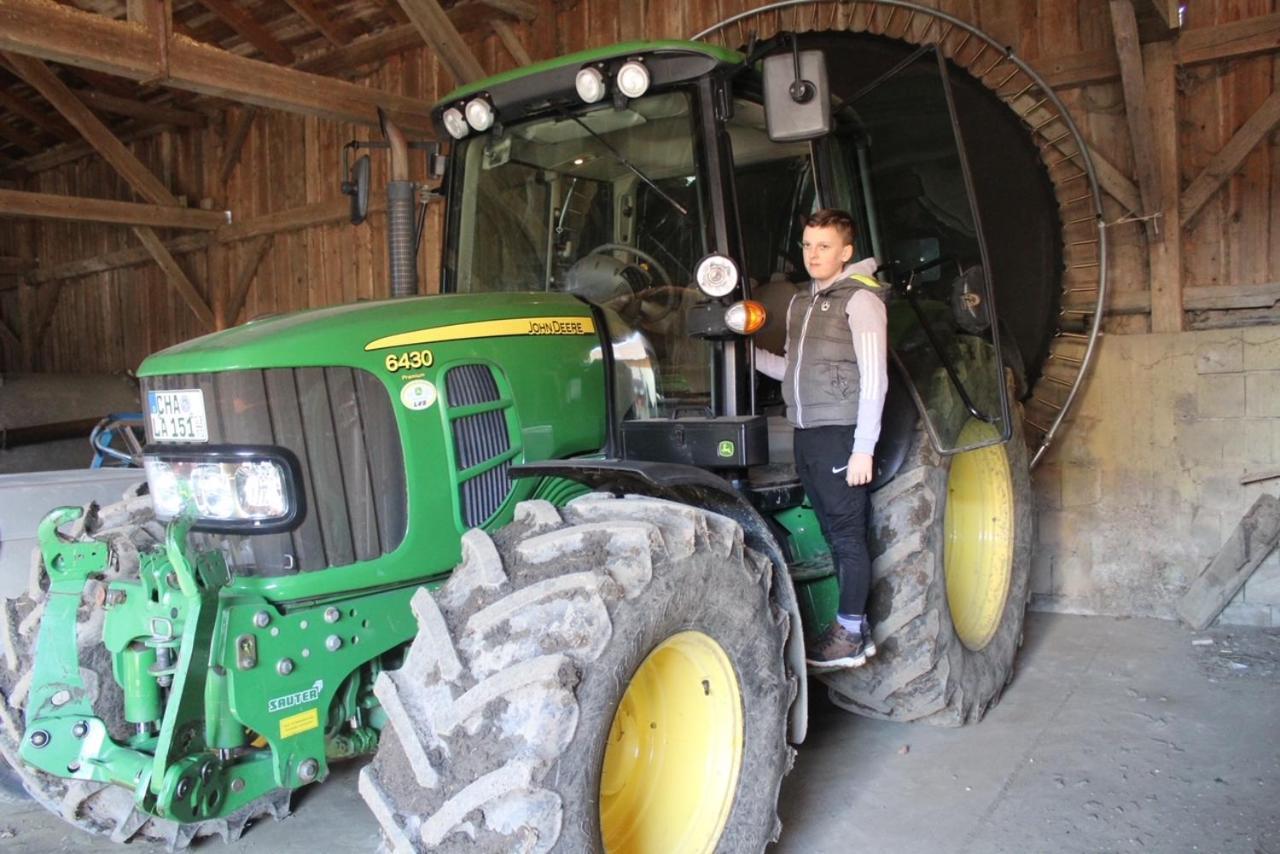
[1118, 735]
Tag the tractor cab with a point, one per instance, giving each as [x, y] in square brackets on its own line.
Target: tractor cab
[667, 183]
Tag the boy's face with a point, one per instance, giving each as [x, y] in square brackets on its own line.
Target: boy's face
[825, 252]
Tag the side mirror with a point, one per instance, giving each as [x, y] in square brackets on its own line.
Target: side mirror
[797, 101]
[357, 187]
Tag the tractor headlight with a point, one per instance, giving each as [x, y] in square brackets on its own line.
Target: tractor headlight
[455, 123]
[633, 79]
[479, 114]
[232, 489]
[716, 275]
[590, 84]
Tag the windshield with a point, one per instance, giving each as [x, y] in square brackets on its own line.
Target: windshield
[604, 205]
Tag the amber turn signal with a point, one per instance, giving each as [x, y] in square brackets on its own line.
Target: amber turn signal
[745, 317]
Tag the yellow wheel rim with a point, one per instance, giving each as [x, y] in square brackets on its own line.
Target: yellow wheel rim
[674, 753]
[979, 530]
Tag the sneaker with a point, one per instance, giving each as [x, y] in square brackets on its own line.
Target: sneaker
[868, 642]
[836, 649]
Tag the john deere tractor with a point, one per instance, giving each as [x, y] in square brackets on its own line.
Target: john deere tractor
[533, 548]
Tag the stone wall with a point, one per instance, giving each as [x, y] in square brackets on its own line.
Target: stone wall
[1145, 486]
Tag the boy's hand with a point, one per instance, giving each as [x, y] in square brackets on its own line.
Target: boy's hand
[859, 471]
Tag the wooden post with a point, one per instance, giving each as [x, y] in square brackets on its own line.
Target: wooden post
[1132, 77]
[439, 32]
[1166, 254]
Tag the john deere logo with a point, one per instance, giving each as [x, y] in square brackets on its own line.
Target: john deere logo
[726, 449]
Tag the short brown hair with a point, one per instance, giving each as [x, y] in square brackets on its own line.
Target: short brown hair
[833, 218]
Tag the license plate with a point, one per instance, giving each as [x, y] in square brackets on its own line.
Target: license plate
[177, 416]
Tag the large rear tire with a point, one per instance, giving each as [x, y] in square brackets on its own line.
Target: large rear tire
[614, 683]
[128, 527]
[951, 563]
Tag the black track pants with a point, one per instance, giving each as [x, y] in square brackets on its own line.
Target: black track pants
[842, 510]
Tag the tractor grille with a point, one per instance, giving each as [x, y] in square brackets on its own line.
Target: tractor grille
[339, 423]
[479, 439]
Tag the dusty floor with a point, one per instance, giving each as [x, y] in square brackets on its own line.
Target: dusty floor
[1118, 735]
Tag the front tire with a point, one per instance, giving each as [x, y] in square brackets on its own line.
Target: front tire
[951, 565]
[612, 679]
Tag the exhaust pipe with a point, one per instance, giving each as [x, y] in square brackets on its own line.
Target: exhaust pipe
[401, 246]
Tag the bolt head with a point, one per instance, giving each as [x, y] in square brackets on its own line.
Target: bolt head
[308, 769]
[333, 643]
[183, 789]
[116, 597]
[61, 698]
[80, 730]
[285, 666]
[262, 619]
[331, 614]
[39, 738]
[237, 785]
[208, 771]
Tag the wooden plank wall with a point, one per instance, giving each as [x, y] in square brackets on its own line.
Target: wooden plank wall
[111, 321]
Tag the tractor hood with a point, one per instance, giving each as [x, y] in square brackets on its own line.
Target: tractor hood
[349, 334]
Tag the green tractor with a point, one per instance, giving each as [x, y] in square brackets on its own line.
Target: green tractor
[533, 547]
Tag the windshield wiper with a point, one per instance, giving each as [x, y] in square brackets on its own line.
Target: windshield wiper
[634, 171]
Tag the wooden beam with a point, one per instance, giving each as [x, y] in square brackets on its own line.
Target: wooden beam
[46, 302]
[235, 142]
[25, 141]
[1239, 39]
[1166, 11]
[521, 10]
[177, 278]
[257, 251]
[1201, 298]
[17, 203]
[46, 122]
[1125, 28]
[250, 30]
[43, 80]
[1246, 37]
[280, 222]
[155, 113]
[1166, 254]
[9, 335]
[12, 265]
[511, 42]
[337, 34]
[1232, 156]
[41, 28]
[69, 152]
[439, 32]
[364, 51]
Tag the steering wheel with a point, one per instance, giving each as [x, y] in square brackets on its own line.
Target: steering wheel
[664, 279]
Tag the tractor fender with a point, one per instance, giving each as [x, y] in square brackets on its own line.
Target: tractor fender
[700, 488]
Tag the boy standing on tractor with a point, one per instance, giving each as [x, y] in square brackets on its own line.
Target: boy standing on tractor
[834, 379]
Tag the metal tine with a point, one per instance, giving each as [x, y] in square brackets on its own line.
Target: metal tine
[1048, 403]
[1064, 159]
[1012, 74]
[1053, 118]
[1070, 360]
[893, 13]
[1072, 336]
[1029, 110]
[1003, 58]
[1044, 430]
[1073, 178]
[1056, 140]
[986, 46]
[1024, 90]
[955, 54]
[906, 30]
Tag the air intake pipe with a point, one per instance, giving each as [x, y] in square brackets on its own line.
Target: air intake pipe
[402, 245]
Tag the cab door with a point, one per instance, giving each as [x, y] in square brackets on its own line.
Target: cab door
[896, 160]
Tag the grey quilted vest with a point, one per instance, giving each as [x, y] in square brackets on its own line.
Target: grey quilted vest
[822, 380]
